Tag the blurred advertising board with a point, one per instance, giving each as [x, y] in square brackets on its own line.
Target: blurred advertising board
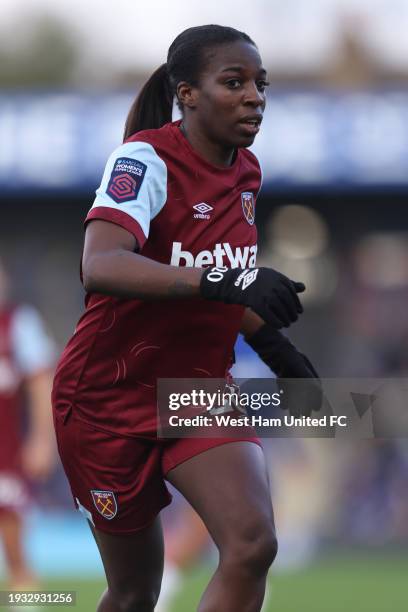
[60, 141]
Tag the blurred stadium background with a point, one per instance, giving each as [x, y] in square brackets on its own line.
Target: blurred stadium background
[333, 212]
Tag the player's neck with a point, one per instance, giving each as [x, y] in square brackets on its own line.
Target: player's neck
[211, 151]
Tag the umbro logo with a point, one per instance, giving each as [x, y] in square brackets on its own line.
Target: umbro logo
[203, 210]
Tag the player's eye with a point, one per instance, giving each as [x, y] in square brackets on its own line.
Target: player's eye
[262, 85]
[233, 83]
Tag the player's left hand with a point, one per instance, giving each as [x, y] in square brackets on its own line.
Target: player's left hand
[38, 457]
[302, 390]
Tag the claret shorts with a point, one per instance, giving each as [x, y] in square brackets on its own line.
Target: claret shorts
[118, 482]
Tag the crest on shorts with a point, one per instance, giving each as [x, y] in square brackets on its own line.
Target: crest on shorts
[105, 503]
[248, 206]
[126, 179]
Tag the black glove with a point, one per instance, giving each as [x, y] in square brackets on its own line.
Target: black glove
[267, 292]
[279, 354]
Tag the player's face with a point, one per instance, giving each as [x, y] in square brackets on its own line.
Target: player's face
[231, 95]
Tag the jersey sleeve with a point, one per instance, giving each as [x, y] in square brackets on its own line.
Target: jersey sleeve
[133, 189]
[33, 349]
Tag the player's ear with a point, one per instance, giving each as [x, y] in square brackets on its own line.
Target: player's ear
[187, 95]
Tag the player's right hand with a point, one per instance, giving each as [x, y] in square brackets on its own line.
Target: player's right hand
[267, 292]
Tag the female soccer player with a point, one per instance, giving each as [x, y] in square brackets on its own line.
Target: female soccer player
[26, 365]
[169, 270]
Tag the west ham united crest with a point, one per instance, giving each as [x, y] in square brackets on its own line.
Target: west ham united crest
[248, 206]
[105, 503]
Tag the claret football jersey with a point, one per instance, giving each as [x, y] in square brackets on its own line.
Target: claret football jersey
[183, 211]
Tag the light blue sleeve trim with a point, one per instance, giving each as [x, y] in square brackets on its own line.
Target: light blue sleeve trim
[152, 195]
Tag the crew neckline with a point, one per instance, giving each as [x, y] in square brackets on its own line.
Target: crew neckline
[213, 167]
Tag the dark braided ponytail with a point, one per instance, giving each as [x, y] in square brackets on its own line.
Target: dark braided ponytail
[186, 60]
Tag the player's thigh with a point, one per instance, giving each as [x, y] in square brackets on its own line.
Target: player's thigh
[228, 486]
[132, 562]
[116, 481]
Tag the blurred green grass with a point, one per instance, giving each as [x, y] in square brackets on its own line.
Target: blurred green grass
[351, 582]
[335, 584]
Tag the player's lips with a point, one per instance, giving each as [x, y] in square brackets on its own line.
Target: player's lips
[251, 123]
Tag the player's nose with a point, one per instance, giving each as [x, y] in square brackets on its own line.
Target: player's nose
[253, 96]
